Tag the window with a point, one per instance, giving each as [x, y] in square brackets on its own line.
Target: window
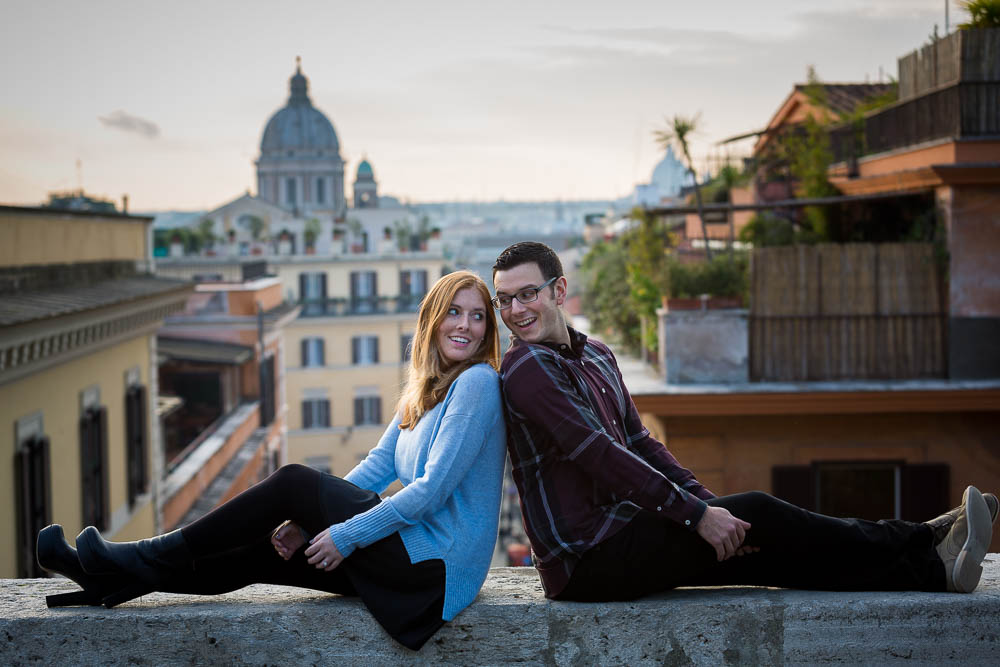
[136, 450]
[290, 191]
[405, 347]
[267, 391]
[94, 466]
[364, 350]
[313, 353]
[321, 463]
[865, 489]
[367, 410]
[364, 292]
[312, 293]
[412, 288]
[320, 191]
[316, 413]
[33, 500]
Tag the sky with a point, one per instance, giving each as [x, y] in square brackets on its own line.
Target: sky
[166, 102]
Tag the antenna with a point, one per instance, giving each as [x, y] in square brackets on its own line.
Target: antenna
[79, 175]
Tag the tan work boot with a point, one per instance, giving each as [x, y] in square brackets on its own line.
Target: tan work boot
[942, 524]
[962, 550]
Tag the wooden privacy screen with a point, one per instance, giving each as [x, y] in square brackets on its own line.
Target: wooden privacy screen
[847, 312]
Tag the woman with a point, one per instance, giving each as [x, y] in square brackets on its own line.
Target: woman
[416, 558]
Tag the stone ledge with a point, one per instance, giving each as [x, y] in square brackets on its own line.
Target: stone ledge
[510, 622]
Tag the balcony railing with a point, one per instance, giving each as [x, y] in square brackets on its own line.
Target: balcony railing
[366, 305]
[966, 110]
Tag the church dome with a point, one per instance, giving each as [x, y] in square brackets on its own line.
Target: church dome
[365, 170]
[299, 128]
[670, 175]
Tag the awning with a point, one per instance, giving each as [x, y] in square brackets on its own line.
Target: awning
[186, 349]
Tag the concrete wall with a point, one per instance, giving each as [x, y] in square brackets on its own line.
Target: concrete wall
[511, 623]
[62, 238]
[55, 394]
[703, 346]
[972, 215]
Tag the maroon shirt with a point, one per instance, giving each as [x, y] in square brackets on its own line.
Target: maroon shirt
[583, 463]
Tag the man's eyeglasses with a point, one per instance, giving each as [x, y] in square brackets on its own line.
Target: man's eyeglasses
[527, 295]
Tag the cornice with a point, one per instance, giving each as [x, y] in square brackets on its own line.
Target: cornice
[819, 402]
[35, 346]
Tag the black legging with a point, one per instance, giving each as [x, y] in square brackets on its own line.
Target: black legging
[231, 545]
[798, 549]
[231, 548]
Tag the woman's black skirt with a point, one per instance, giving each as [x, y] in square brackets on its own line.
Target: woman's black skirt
[407, 599]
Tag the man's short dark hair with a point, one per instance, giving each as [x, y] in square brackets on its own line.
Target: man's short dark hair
[524, 252]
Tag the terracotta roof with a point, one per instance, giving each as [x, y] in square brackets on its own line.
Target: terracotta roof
[845, 97]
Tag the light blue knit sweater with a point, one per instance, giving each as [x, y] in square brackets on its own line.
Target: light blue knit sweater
[451, 467]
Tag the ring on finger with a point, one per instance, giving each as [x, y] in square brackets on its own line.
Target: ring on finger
[324, 564]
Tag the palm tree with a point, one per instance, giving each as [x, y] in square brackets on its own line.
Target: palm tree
[679, 128]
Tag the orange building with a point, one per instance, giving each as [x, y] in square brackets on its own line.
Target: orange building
[221, 377]
[896, 448]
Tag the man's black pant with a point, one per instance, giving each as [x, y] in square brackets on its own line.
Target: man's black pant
[798, 549]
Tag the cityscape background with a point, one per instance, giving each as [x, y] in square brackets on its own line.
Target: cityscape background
[217, 225]
[524, 101]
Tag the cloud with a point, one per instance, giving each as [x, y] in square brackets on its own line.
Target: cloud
[126, 122]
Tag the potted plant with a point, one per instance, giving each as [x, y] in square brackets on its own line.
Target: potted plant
[311, 233]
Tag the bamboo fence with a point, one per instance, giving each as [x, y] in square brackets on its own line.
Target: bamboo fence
[845, 312]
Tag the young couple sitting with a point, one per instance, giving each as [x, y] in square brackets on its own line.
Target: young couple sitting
[609, 512]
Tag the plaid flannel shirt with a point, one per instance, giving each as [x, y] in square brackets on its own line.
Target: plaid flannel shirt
[583, 463]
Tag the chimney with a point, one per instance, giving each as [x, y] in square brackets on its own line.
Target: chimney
[124, 204]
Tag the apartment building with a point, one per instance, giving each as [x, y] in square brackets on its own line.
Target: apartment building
[79, 311]
[345, 354]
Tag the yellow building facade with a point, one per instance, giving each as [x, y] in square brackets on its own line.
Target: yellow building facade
[78, 317]
[346, 354]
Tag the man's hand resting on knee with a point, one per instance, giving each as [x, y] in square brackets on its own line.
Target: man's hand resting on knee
[724, 532]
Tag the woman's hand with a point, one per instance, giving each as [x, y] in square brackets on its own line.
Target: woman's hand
[287, 539]
[322, 552]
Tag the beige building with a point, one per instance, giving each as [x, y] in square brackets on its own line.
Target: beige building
[345, 354]
[78, 319]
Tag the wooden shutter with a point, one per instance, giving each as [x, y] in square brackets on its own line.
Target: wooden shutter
[307, 414]
[377, 401]
[34, 494]
[924, 491]
[355, 349]
[321, 351]
[794, 484]
[267, 392]
[304, 351]
[137, 464]
[359, 411]
[94, 465]
[404, 347]
[373, 341]
[325, 412]
[303, 278]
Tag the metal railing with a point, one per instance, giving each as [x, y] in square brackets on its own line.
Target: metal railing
[367, 305]
[965, 110]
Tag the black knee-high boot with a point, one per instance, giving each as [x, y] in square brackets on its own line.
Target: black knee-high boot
[55, 555]
[148, 563]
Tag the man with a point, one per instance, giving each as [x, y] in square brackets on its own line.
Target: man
[612, 515]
